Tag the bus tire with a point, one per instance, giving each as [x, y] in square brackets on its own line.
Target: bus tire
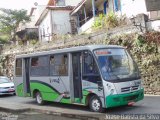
[39, 98]
[95, 104]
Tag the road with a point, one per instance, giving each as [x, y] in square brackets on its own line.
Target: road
[150, 105]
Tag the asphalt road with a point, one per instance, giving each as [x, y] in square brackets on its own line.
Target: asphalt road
[149, 106]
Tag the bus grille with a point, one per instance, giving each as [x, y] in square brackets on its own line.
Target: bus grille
[131, 98]
[128, 89]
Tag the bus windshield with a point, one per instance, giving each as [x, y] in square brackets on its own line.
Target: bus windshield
[116, 64]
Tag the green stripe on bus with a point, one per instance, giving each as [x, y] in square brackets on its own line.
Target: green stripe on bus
[47, 92]
[19, 90]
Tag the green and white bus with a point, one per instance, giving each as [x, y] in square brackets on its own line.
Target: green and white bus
[96, 75]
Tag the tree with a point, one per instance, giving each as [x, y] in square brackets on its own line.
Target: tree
[10, 20]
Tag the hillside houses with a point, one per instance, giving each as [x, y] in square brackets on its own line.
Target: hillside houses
[61, 17]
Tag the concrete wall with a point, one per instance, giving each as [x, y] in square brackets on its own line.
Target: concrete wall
[86, 28]
[56, 24]
[133, 7]
[61, 22]
[110, 6]
[153, 25]
[45, 29]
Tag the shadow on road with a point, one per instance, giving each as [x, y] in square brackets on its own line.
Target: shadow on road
[4, 96]
[115, 110]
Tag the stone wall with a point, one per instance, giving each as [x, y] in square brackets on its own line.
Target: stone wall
[143, 52]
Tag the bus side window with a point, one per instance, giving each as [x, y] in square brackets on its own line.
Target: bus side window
[59, 64]
[18, 70]
[34, 62]
[40, 66]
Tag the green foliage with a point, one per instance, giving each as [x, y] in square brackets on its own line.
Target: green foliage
[4, 39]
[140, 41]
[111, 20]
[2, 64]
[145, 45]
[10, 19]
[99, 22]
[107, 21]
[33, 42]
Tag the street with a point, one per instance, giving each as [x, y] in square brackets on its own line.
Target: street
[150, 105]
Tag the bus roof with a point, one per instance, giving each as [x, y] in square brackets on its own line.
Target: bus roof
[66, 50]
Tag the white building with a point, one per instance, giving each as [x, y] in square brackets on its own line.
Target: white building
[55, 19]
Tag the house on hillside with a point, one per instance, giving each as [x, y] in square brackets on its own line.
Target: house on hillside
[27, 31]
[87, 11]
[55, 19]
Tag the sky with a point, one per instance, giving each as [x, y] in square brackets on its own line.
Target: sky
[20, 4]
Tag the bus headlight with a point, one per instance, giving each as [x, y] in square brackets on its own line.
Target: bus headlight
[111, 88]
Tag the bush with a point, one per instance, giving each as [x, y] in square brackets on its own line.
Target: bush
[111, 20]
[99, 22]
[4, 39]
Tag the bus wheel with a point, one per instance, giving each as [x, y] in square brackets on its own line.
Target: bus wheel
[95, 104]
[39, 99]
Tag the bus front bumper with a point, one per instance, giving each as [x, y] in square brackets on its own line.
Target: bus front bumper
[124, 99]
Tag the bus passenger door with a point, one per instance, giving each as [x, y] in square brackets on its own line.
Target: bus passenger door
[77, 83]
[26, 76]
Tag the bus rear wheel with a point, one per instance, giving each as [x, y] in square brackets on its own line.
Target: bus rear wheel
[95, 104]
[39, 98]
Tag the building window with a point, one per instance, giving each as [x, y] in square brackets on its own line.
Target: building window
[59, 65]
[40, 66]
[18, 71]
[60, 2]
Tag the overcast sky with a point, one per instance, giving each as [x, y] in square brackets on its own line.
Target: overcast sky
[20, 4]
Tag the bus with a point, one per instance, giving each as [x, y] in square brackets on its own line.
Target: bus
[98, 76]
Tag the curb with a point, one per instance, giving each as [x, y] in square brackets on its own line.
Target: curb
[68, 115]
[14, 110]
[151, 95]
